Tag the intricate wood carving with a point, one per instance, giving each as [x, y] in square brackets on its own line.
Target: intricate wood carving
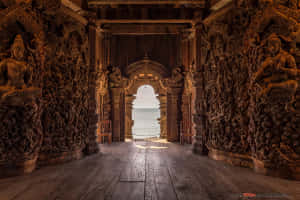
[250, 73]
[52, 125]
[20, 111]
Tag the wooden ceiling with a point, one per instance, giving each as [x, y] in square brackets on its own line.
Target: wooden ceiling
[145, 17]
[146, 2]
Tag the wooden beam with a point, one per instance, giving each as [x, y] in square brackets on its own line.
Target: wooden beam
[144, 21]
[145, 2]
[144, 29]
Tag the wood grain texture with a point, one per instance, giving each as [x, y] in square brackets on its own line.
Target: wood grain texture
[149, 170]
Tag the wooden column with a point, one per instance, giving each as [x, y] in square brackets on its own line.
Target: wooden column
[199, 117]
[128, 116]
[173, 114]
[188, 44]
[186, 122]
[103, 57]
[163, 115]
[117, 97]
[92, 145]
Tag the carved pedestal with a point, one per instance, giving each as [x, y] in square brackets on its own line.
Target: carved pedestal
[91, 144]
[199, 144]
[275, 124]
[21, 133]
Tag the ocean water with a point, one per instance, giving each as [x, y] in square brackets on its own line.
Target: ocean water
[146, 124]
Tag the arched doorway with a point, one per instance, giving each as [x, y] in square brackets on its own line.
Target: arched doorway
[124, 86]
[151, 73]
[146, 114]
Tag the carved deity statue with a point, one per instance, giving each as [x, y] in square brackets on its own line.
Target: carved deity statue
[188, 79]
[103, 80]
[279, 70]
[15, 74]
[176, 79]
[115, 77]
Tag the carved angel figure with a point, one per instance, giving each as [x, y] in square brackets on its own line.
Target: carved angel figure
[103, 79]
[188, 80]
[115, 77]
[176, 77]
[279, 70]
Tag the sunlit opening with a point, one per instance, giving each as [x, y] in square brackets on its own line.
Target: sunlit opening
[146, 114]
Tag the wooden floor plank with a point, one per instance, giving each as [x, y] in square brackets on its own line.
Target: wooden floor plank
[150, 170]
[135, 168]
[128, 190]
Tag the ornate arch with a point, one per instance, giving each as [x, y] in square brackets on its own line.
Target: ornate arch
[146, 66]
[145, 72]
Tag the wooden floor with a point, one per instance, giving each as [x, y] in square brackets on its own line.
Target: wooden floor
[145, 170]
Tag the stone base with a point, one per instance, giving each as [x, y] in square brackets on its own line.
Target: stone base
[58, 158]
[291, 171]
[16, 169]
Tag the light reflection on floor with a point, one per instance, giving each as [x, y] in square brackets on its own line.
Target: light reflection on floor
[158, 140]
[150, 147]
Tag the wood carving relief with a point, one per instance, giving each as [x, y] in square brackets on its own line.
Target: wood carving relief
[20, 111]
[44, 86]
[250, 72]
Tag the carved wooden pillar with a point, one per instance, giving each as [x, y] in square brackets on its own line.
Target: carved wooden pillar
[173, 114]
[92, 145]
[128, 116]
[199, 116]
[106, 107]
[99, 97]
[117, 97]
[163, 115]
[104, 48]
[188, 62]
[103, 96]
[186, 123]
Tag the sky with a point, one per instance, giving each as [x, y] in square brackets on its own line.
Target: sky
[146, 98]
